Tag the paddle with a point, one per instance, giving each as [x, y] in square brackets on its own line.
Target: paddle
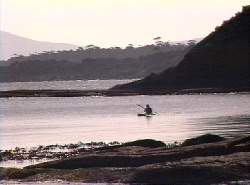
[140, 106]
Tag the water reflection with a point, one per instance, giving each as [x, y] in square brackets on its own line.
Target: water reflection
[21, 163]
[227, 126]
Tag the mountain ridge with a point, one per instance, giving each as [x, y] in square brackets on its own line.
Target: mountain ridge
[26, 46]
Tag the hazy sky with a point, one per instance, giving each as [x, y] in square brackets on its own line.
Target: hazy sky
[115, 22]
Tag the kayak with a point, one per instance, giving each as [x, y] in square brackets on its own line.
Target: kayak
[146, 115]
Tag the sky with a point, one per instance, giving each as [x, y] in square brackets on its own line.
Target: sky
[107, 23]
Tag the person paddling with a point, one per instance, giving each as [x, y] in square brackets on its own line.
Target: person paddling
[148, 110]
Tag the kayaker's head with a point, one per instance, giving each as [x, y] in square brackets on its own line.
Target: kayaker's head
[147, 106]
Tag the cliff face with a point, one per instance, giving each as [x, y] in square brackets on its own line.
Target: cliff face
[221, 60]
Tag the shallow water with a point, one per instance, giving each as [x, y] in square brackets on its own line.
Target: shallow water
[26, 122]
[20, 163]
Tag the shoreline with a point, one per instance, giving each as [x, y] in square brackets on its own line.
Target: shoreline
[113, 93]
[206, 159]
[52, 152]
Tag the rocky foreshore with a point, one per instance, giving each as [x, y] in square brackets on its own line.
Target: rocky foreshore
[52, 151]
[208, 159]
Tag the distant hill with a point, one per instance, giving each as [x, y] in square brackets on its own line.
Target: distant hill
[93, 62]
[95, 52]
[11, 44]
[102, 68]
[221, 60]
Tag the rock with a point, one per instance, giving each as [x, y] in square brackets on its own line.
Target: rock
[146, 143]
[196, 170]
[207, 138]
[134, 156]
[203, 163]
[185, 175]
[14, 173]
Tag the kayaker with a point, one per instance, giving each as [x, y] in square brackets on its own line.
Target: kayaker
[148, 110]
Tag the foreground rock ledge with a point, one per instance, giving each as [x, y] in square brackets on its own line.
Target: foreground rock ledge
[222, 160]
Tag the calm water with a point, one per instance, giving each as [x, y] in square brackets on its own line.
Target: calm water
[76, 84]
[42, 121]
